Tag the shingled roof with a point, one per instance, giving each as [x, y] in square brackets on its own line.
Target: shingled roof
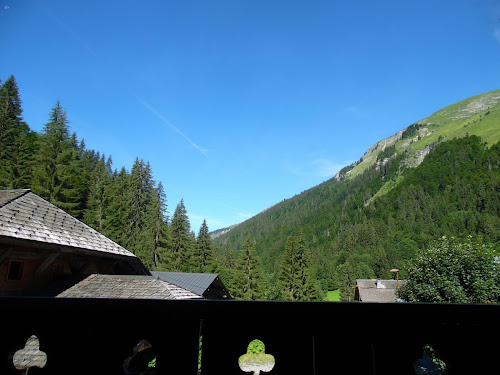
[26, 216]
[195, 282]
[125, 286]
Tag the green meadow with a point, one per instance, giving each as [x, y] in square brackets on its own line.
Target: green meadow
[333, 296]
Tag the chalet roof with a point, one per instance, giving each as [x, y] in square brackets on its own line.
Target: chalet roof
[126, 286]
[377, 290]
[196, 282]
[26, 216]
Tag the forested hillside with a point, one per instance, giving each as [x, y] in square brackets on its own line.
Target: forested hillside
[376, 214]
[129, 207]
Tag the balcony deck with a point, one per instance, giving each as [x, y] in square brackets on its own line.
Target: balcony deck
[96, 336]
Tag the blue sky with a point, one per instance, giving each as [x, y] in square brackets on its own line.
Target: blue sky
[238, 105]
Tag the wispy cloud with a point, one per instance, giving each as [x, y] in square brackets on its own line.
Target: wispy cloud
[172, 126]
[496, 34]
[6, 7]
[321, 167]
[65, 27]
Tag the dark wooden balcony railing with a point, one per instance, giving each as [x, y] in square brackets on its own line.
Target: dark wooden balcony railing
[96, 336]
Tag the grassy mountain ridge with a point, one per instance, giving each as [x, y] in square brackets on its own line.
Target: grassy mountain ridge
[478, 115]
[353, 223]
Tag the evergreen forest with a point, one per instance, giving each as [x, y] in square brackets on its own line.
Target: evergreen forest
[455, 192]
[129, 207]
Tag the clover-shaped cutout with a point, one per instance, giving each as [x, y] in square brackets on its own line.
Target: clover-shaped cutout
[429, 363]
[142, 361]
[30, 355]
[256, 359]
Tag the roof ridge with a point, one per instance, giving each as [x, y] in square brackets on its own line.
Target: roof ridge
[24, 192]
[178, 288]
[164, 284]
[205, 274]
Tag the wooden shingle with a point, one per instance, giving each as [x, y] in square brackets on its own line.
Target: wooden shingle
[26, 216]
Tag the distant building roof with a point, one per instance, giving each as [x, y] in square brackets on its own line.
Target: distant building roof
[125, 286]
[208, 285]
[377, 290]
[26, 216]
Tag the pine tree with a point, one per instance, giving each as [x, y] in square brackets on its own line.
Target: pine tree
[10, 106]
[203, 257]
[140, 210]
[58, 172]
[348, 280]
[288, 277]
[115, 225]
[296, 278]
[248, 283]
[308, 289]
[95, 214]
[161, 233]
[180, 230]
[77, 180]
[17, 142]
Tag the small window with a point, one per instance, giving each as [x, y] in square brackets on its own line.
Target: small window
[15, 270]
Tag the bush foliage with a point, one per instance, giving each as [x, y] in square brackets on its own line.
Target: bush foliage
[455, 271]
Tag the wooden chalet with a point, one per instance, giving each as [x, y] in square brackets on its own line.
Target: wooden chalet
[208, 285]
[44, 250]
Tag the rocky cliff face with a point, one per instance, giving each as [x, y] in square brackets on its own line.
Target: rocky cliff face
[443, 125]
[381, 145]
[482, 103]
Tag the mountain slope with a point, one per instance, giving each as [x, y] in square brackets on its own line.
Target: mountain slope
[478, 115]
[375, 214]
